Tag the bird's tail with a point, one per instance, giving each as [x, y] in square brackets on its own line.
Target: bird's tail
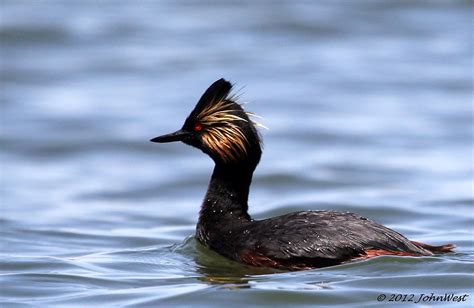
[436, 249]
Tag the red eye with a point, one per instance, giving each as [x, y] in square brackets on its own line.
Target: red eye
[197, 127]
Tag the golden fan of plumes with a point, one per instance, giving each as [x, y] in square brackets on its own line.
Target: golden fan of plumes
[222, 135]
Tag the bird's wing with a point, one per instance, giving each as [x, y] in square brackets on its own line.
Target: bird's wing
[326, 235]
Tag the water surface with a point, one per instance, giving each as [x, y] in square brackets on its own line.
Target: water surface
[369, 105]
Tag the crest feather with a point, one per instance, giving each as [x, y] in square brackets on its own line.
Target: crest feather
[222, 117]
[223, 136]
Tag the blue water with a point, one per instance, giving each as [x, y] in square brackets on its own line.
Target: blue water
[369, 106]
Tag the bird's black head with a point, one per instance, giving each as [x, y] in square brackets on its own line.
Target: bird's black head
[220, 128]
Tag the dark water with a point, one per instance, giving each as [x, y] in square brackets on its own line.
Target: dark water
[370, 110]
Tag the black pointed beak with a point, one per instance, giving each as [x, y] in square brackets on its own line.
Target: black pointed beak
[176, 136]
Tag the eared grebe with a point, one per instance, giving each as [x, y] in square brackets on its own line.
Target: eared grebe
[219, 127]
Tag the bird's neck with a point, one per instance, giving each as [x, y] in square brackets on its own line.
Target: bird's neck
[226, 199]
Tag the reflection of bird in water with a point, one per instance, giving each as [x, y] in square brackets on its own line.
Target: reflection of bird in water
[310, 239]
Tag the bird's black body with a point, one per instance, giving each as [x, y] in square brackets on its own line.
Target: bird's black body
[301, 240]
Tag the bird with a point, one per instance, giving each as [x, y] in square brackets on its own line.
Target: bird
[222, 129]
